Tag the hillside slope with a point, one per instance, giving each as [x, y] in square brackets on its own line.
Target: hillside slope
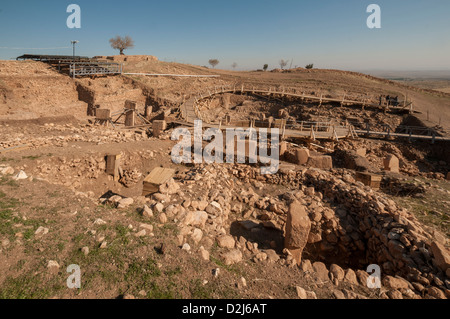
[32, 89]
[317, 81]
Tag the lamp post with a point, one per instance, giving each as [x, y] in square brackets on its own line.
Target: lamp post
[73, 44]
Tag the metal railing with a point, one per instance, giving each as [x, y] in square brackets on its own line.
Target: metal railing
[92, 68]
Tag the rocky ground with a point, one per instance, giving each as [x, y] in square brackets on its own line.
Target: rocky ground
[213, 231]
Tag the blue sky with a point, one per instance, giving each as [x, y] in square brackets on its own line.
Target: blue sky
[415, 34]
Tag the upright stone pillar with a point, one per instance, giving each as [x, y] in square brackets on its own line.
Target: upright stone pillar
[130, 114]
[158, 127]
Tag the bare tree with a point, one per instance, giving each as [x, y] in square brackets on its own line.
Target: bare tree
[121, 43]
[213, 62]
[234, 65]
[283, 63]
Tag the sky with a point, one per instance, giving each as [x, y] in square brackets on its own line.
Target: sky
[414, 34]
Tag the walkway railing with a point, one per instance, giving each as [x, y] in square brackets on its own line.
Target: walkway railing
[91, 68]
[190, 111]
[282, 92]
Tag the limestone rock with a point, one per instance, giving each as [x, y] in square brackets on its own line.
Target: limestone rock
[436, 293]
[162, 218]
[85, 250]
[53, 266]
[226, 241]
[7, 170]
[99, 222]
[125, 202]
[272, 256]
[350, 277]
[441, 256]
[337, 272]
[159, 207]
[320, 161]
[391, 163]
[362, 277]
[301, 156]
[213, 208]
[306, 265]
[170, 187]
[395, 283]
[197, 235]
[301, 292]
[232, 257]
[146, 227]
[321, 270]
[197, 218]
[141, 233]
[204, 253]
[20, 175]
[298, 227]
[41, 231]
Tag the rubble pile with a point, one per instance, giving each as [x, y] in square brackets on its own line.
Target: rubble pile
[349, 226]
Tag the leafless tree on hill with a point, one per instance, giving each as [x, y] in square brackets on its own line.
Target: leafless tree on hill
[213, 62]
[121, 43]
[283, 63]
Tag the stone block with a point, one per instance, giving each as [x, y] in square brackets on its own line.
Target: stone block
[391, 163]
[301, 156]
[320, 161]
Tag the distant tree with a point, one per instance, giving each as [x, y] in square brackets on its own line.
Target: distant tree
[309, 66]
[121, 43]
[234, 65]
[265, 67]
[283, 63]
[213, 62]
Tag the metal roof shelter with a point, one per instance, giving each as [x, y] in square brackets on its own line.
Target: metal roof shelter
[52, 58]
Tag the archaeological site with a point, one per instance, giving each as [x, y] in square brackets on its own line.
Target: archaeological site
[87, 179]
[174, 172]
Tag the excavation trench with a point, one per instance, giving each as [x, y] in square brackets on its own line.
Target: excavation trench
[87, 174]
[112, 92]
[354, 227]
